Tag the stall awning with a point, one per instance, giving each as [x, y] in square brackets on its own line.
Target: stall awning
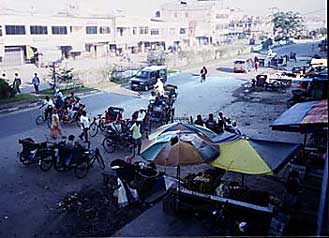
[303, 117]
[252, 156]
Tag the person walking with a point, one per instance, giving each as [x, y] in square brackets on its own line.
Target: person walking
[203, 73]
[17, 83]
[85, 123]
[55, 128]
[36, 82]
[137, 136]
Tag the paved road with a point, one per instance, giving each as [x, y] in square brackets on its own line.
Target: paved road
[29, 195]
[301, 49]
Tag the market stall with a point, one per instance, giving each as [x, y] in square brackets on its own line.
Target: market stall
[206, 192]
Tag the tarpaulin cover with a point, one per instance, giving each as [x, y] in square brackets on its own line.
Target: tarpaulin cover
[183, 127]
[225, 137]
[250, 156]
[314, 113]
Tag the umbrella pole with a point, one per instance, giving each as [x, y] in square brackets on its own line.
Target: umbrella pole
[178, 192]
[305, 139]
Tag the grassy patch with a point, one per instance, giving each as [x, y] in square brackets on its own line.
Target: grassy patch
[83, 89]
[19, 98]
[171, 71]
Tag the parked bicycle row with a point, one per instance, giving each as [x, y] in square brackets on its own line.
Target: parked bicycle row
[66, 155]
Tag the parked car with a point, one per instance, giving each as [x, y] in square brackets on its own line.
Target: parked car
[240, 66]
[147, 77]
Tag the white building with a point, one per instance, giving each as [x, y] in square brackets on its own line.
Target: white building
[31, 38]
[22, 37]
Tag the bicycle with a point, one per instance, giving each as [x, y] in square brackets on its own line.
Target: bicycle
[95, 155]
[98, 123]
[36, 153]
[43, 118]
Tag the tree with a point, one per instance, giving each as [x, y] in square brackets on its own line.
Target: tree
[287, 24]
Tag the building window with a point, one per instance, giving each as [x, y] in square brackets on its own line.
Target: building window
[172, 31]
[186, 14]
[71, 29]
[157, 14]
[143, 30]
[155, 32]
[134, 30]
[59, 30]
[38, 30]
[91, 30]
[0, 30]
[120, 31]
[15, 30]
[182, 31]
[104, 30]
[175, 14]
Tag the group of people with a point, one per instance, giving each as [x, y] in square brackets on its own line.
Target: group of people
[70, 107]
[252, 63]
[17, 82]
[217, 125]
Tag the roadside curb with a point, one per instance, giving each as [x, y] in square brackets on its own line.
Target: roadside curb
[21, 106]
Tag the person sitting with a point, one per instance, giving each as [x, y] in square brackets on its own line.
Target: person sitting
[152, 97]
[211, 123]
[199, 120]
[227, 124]
[233, 128]
[220, 122]
[159, 88]
[49, 105]
[69, 145]
[76, 104]
[70, 112]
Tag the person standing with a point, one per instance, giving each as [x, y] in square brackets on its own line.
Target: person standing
[36, 82]
[55, 128]
[17, 83]
[85, 123]
[203, 73]
[137, 136]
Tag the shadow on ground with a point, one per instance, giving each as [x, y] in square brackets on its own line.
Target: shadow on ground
[225, 69]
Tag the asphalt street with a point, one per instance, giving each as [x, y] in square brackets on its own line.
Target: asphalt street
[29, 196]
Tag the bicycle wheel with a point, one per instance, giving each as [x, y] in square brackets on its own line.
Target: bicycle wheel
[108, 145]
[82, 169]
[93, 129]
[102, 125]
[78, 123]
[46, 163]
[100, 159]
[49, 122]
[24, 159]
[39, 120]
[59, 166]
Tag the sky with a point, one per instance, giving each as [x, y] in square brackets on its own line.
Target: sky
[148, 7]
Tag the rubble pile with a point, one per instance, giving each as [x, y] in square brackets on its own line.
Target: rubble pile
[95, 212]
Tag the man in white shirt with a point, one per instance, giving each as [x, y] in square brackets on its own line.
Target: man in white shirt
[84, 120]
[49, 104]
[159, 87]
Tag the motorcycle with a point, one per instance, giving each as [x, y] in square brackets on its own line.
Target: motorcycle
[36, 153]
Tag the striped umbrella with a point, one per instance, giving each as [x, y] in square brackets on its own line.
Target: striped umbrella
[180, 148]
